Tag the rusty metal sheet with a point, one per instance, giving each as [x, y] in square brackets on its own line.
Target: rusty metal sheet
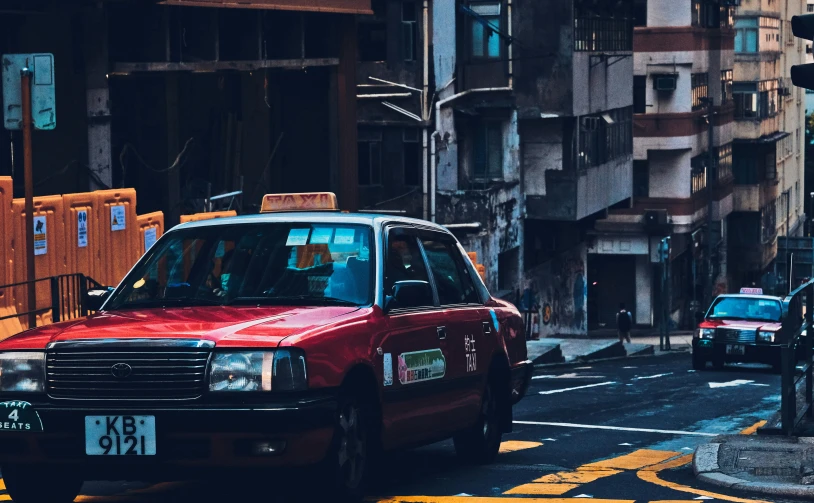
[336, 6]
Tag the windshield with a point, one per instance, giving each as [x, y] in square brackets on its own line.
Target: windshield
[275, 263]
[745, 308]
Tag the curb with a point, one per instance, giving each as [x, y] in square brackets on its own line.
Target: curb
[706, 469]
[615, 358]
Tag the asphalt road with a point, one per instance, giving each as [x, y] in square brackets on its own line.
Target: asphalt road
[620, 431]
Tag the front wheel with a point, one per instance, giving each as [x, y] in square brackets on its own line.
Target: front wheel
[347, 465]
[481, 442]
[37, 484]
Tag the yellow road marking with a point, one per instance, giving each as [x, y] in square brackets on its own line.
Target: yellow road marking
[635, 460]
[474, 499]
[651, 475]
[753, 429]
[516, 445]
[581, 476]
[2, 485]
[550, 489]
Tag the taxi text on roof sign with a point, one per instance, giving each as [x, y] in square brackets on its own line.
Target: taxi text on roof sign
[308, 201]
[752, 291]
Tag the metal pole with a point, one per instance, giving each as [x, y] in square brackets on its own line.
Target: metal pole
[25, 82]
[668, 290]
[711, 175]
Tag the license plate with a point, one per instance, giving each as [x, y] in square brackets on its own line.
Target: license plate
[120, 435]
[735, 349]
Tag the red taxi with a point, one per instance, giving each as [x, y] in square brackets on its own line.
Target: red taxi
[739, 328]
[275, 340]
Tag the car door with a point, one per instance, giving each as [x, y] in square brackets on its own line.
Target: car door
[467, 328]
[414, 351]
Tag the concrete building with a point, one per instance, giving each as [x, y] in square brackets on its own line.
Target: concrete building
[768, 153]
[185, 98]
[683, 57]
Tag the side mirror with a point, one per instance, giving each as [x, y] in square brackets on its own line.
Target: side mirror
[96, 297]
[408, 294]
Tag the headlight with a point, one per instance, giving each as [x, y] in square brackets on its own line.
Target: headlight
[23, 371]
[765, 336]
[281, 370]
[705, 333]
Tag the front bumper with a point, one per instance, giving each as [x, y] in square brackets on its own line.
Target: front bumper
[713, 350]
[187, 435]
[521, 378]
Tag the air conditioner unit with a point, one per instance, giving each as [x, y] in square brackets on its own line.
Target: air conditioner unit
[590, 123]
[655, 219]
[665, 83]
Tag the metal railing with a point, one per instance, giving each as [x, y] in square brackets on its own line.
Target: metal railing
[797, 341]
[67, 297]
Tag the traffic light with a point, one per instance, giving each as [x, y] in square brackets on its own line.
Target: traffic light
[803, 27]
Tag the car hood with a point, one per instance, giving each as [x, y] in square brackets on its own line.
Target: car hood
[225, 326]
[741, 324]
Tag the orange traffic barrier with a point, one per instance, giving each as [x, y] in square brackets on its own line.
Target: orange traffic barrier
[150, 228]
[197, 217]
[118, 232]
[49, 252]
[83, 240]
[9, 326]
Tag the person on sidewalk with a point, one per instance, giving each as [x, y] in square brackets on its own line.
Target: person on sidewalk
[624, 321]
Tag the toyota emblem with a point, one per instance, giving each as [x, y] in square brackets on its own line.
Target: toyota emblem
[121, 370]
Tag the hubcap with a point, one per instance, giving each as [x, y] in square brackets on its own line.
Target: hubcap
[352, 446]
[486, 411]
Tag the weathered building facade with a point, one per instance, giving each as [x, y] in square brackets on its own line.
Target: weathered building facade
[183, 99]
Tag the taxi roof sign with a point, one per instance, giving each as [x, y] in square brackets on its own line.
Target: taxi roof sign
[304, 201]
[752, 291]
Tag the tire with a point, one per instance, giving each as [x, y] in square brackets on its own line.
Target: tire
[718, 363]
[698, 363]
[348, 463]
[37, 484]
[481, 442]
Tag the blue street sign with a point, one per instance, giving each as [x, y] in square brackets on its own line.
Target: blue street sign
[43, 90]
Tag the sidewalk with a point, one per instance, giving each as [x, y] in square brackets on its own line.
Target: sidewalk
[550, 350]
[774, 465]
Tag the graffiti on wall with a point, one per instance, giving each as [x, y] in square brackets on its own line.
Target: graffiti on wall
[563, 292]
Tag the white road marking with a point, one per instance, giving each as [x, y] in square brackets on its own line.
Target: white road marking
[584, 496]
[630, 368]
[549, 440]
[583, 368]
[617, 428]
[703, 498]
[651, 377]
[553, 391]
[626, 445]
[758, 384]
[568, 376]
[730, 384]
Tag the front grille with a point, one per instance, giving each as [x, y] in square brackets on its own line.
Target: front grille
[156, 373]
[735, 335]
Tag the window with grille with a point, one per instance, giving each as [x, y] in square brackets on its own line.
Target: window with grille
[726, 86]
[605, 137]
[700, 89]
[756, 100]
[699, 173]
[768, 218]
[598, 27]
[723, 167]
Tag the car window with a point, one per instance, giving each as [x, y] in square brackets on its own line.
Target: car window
[746, 308]
[452, 280]
[275, 263]
[404, 263]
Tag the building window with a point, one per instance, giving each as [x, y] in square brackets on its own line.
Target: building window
[789, 33]
[810, 8]
[746, 34]
[408, 30]
[639, 12]
[726, 86]
[698, 166]
[602, 28]
[640, 94]
[412, 157]
[372, 33]
[706, 13]
[641, 179]
[484, 28]
[700, 89]
[723, 167]
[487, 158]
[727, 16]
[605, 137]
[768, 219]
[756, 100]
[370, 157]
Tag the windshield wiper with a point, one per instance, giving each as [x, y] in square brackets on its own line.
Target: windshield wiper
[288, 299]
[179, 301]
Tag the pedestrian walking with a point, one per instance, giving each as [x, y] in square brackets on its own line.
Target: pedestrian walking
[624, 321]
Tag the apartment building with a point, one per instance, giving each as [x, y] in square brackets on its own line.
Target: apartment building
[768, 151]
[682, 172]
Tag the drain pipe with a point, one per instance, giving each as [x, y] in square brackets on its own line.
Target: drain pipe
[433, 174]
[425, 202]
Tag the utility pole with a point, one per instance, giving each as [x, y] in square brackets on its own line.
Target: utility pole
[25, 82]
[711, 177]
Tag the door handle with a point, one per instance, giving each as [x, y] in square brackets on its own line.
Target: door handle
[442, 333]
[487, 327]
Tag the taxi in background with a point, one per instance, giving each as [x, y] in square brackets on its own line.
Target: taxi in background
[740, 327]
[285, 339]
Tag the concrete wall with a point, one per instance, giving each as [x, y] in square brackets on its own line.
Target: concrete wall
[668, 13]
[542, 150]
[644, 294]
[670, 174]
[562, 284]
[601, 187]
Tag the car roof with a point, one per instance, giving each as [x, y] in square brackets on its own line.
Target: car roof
[749, 296]
[325, 217]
